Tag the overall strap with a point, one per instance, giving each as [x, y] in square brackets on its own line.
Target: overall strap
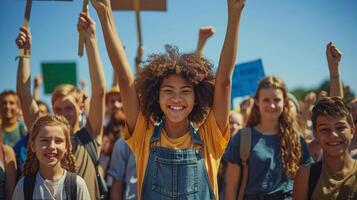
[315, 171]
[244, 152]
[70, 185]
[29, 186]
[157, 130]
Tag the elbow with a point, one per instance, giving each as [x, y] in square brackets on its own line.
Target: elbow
[224, 83]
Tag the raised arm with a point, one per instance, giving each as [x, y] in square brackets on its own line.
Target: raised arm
[96, 108]
[119, 61]
[222, 91]
[333, 56]
[23, 86]
[203, 35]
[139, 58]
[36, 87]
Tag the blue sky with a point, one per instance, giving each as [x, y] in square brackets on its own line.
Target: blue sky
[289, 36]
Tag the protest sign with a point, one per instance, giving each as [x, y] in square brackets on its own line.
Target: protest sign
[55, 74]
[246, 77]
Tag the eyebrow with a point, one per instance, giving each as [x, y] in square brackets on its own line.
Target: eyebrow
[183, 87]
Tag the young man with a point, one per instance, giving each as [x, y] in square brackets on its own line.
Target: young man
[13, 129]
[335, 177]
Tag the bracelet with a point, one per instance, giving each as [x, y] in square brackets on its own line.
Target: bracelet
[334, 76]
[22, 57]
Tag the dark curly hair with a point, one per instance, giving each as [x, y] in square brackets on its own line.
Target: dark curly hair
[195, 69]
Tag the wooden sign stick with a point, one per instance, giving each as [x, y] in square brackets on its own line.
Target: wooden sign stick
[138, 24]
[26, 24]
[81, 33]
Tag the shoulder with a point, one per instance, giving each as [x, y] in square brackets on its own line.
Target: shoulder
[8, 152]
[80, 182]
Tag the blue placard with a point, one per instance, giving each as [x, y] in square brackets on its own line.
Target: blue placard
[246, 77]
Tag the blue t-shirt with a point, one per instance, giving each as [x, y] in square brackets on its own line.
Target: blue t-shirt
[266, 175]
[123, 169]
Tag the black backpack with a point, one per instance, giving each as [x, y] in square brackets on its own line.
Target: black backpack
[70, 186]
[86, 140]
[315, 171]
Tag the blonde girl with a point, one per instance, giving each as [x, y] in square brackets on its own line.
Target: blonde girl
[277, 148]
[50, 163]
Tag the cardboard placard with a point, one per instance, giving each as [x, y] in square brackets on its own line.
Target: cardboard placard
[145, 5]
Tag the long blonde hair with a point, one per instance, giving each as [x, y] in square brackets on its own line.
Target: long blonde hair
[31, 163]
[289, 140]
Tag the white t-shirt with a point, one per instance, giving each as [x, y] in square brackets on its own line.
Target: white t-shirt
[54, 190]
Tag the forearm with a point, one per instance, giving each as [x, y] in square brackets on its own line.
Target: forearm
[117, 190]
[98, 87]
[115, 48]
[336, 88]
[23, 89]
[229, 52]
[200, 46]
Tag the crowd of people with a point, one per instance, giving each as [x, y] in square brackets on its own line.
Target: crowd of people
[168, 132]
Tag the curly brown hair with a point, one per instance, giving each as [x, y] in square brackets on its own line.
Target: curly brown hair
[195, 69]
[289, 137]
[31, 163]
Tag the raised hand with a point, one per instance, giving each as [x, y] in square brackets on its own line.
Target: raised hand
[101, 5]
[86, 24]
[333, 56]
[23, 40]
[206, 32]
[235, 7]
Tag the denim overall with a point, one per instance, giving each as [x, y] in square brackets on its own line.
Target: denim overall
[176, 173]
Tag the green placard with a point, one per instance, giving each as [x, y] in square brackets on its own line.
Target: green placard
[55, 74]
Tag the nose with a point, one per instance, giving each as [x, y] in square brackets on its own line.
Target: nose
[52, 144]
[118, 104]
[334, 133]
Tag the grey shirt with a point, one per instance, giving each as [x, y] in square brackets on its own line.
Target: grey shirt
[45, 189]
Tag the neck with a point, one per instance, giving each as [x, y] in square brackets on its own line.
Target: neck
[268, 127]
[9, 122]
[51, 173]
[343, 163]
[176, 130]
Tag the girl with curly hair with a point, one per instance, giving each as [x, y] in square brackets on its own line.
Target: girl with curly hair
[49, 162]
[277, 148]
[174, 159]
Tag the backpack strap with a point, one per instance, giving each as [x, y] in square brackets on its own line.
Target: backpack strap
[244, 152]
[29, 186]
[70, 185]
[86, 140]
[315, 171]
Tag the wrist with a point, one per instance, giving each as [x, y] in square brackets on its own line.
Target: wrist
[334, 76]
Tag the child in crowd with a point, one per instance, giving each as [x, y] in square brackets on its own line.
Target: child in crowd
[8, 169]
[277, 148]
[67, 100]
[49, 165]
[173, 90]
[335, 177]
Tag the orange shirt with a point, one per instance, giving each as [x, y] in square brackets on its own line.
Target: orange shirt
[213, 140]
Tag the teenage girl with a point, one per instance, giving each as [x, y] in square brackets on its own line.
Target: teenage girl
[50, 162]
[174, 160]
[277, 148]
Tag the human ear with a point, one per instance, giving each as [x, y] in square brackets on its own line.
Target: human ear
[32, 146]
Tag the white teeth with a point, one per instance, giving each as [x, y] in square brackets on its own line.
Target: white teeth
[334, 143]
[176, 108]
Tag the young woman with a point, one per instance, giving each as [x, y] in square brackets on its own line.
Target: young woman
[336, 177]
[277, 148]
[174, 160]
[49, 159]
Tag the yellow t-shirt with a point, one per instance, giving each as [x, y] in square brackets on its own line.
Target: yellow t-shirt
[213, 140]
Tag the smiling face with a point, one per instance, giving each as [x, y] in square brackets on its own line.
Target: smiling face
[49, 145]
[334, 134]
[68, 108]
[177, 98]
[270, 103]
[9, 107]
